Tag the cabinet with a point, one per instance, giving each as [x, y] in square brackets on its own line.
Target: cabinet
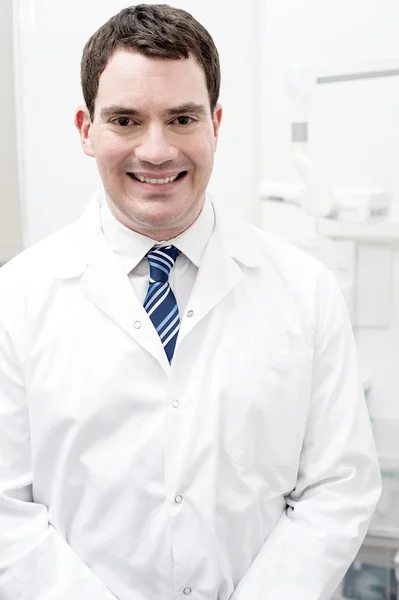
[375, 572]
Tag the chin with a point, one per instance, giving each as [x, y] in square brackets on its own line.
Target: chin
[151, 222]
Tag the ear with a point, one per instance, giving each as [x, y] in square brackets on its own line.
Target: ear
[216, 120]
[83, 123]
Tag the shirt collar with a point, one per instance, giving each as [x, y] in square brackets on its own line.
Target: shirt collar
[80, 243]
[131, 246]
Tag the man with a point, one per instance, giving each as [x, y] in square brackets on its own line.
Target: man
[180, 409]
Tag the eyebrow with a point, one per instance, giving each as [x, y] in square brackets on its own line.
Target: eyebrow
[118, 110]
[188, 107]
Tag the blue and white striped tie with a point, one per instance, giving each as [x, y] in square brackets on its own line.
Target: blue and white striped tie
[160, 302]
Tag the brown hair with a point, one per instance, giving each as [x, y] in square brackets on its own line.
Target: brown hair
[156, 30]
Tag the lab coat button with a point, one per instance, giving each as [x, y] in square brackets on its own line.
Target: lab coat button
[187, 591]
[137, 325]
[175, 404]
[190, 313]
[179, 499]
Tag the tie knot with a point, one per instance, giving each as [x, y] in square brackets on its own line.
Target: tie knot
[161, 259]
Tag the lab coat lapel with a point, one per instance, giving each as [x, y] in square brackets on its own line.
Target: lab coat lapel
[218, 274]
[87, 255]
[108, 287]
[231, 245]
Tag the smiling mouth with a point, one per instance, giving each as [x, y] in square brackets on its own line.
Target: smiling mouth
[156, 181]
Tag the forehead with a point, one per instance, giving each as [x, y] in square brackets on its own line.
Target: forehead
[131, 78]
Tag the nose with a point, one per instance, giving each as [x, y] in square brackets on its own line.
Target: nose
[155, 147]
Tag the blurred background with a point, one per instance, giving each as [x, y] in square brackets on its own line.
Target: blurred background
[309, 150]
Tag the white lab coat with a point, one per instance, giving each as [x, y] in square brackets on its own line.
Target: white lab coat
[246, 470]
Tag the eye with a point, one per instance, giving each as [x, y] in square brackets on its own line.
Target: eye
[184, 120]
[123, 121]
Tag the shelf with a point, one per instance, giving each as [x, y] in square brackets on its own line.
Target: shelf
[382, 537]
[385, 232]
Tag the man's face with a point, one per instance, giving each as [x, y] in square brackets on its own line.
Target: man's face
[152, 122]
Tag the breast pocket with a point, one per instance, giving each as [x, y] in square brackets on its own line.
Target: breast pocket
[268, 411]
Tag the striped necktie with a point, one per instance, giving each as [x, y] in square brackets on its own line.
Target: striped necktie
[160, 302]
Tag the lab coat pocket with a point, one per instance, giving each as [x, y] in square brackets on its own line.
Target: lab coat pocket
[269, 411]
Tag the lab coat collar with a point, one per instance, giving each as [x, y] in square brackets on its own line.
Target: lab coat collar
[238, 238]
[85, 240]
[231, 246]
[130, 246]
[105, 283]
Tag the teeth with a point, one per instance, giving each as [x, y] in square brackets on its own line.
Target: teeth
[155, 181]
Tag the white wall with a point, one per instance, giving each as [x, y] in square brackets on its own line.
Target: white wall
[354, 131]
[10, 226]
[57, 179]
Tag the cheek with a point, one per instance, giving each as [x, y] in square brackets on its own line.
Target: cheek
[112, 152]
[201, 153]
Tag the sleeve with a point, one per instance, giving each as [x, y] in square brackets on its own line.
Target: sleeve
[338, 483]
[35, 561]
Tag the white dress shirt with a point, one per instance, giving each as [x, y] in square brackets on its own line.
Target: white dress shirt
[131, 247]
